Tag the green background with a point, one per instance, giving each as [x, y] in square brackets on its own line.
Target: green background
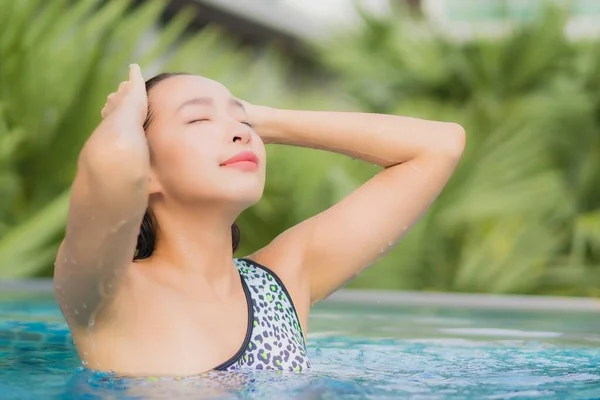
[521, 214]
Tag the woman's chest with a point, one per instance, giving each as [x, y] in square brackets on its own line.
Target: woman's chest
[167, 337]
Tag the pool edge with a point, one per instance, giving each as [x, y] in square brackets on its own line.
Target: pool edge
[40, 286]
[395, 298]
[466, 300]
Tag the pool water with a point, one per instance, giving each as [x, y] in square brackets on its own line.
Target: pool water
[357, 351]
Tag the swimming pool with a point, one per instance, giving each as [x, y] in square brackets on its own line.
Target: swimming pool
[373, 346]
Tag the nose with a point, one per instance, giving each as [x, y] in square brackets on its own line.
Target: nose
[241, 134]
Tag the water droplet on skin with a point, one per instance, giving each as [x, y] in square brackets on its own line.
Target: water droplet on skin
[118, 226]
[84, 362]
[76, 311]
[414, 167]
[91, 323]
[84, 305]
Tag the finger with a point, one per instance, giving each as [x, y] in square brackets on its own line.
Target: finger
[110, 97]
[135, 75]
[123, 86]
[108, 107]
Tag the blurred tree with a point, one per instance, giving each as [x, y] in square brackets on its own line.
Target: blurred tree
[522, 213]
[60, 60]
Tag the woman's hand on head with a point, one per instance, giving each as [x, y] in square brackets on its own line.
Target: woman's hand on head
[257, 115]
[129, 104]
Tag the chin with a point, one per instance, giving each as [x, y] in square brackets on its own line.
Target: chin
[247, 198]
[244, 194]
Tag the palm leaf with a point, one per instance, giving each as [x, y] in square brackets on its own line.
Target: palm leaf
[29, 247]
[84, 48]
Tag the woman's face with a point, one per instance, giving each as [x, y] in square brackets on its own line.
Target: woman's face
[196, 127]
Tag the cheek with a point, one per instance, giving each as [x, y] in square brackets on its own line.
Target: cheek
[186, 161]
[259, 148]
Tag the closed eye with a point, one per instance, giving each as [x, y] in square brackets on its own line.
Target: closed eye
[197, 120]
[248, 124]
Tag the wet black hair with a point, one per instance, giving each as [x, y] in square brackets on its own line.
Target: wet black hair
[146, 242]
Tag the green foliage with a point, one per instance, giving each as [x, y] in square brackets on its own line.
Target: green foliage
[60, 59]
[522, 212]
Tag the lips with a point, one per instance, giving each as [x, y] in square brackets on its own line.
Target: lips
[243, 157]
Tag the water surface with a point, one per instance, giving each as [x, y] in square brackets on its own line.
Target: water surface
[357, 352]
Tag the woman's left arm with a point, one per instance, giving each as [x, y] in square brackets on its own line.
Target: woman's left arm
[332, 247]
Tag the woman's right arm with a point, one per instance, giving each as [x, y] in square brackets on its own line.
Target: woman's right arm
[108, 201]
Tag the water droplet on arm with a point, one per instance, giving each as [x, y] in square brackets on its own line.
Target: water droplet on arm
[118, 226]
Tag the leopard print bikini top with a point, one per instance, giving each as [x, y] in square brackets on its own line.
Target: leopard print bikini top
[274, 338]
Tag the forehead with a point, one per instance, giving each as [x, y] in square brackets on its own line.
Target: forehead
[172, 92]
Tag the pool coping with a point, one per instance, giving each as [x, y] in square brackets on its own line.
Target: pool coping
[397, 298]
[466, 300]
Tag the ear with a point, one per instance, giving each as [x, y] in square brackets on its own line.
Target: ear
[154, 186]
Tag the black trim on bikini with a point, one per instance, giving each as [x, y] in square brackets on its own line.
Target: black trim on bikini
[280, 282]
[240, 352]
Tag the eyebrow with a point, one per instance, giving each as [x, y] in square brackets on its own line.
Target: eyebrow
[208, 101]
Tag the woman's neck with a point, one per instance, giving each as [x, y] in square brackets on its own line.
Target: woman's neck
[195, 248]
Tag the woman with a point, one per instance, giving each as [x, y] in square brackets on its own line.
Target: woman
[182, 158]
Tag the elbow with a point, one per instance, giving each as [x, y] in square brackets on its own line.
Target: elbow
[458, 138]
[451, 141]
